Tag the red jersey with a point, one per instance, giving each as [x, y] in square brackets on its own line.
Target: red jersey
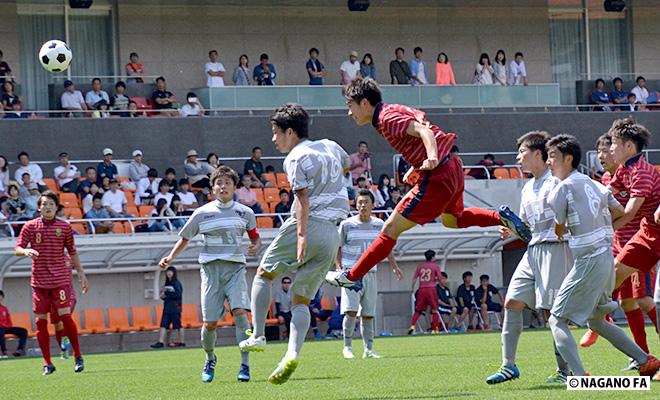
[392, 121]
[49, 238]
[5, 317]
[626, 232]
[428, 273]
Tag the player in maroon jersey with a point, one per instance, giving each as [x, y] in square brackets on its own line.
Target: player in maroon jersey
[429, 276]
[47, 238]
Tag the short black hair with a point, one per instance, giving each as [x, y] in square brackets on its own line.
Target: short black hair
[24, 174]
[314, 49]
[617, 79]
[96, 79]
[49, 194]
[367, 192]
[454, 149]
[90, 168]
[362, 142]
[399, 48]
[163, 183]
[263, 56]
[160, 78]
[23, 153]
[395, 189]
[363, 88]
[184, 181]
[224, 170]
[604, 140]
[294, 116]
[567, 145]
[535, 140]
[599, 80]
[442, 53]
[518, 53]
[63, 154]
[213, 51]
[255, 148]
[466, 274]
[444, 274]
[429, 254]
[286, 278]
[489, 156]
[133, 54]
[190, 94]
[97, 196]
[282, 191]
[1, 292]
[170, 170]
[640, 78]
[417, 49]
[628, 129]
[484, 276]
[120, 83]
[152, 173]
[360, 179]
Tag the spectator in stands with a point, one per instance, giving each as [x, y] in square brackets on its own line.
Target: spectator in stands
[163, 210]
[489, 162]
[8, 97]
[88, 197]
[362, 183]
[517, 71]
[619, 95]
[192, 108]
[402, 169]
[105, 184]
[196, 171]
[361, 162]
[382, 192]
[283, 207]
[96, 94]
[162, 98]
[98, 212]
[283, 304]
[132, 111]
[418, 68]
[147, 188]
[631, 103]
[367, 67]
[135, 69]
[188, 199]
[214, 71]
[212, 163]
[466, 307]
[170, 178]
[67, 174]
[640, 91]
[5, 70]
[399, 69]
[137, 169]
[395, 198]
[446, 304]
[241, 75]
[484, 297]
[264, 74]
[246, 196]
[16, 205]
[90, 178]
[7, 327]
[600, 97]
[483, 73]
[119, 100]
[172, 295]
[30, 195]
[16, 111]
[254, 168]
[499, 68]
[114, 201]
[25, 181]
[350, 69]
[444, 74]
[106, 168]
[163, 192]
[72, 100]
[101, 110]
[36, 174]
[315, 69]
[4, 175]
[317, 313]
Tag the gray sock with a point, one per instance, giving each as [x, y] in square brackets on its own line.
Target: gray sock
[367, 330]
[208, 342]
[299, 326]
[562, 365]
[619, 339]
[349, 327]
[261, 288]
[242, 325]
[511, 329]
[566, 344]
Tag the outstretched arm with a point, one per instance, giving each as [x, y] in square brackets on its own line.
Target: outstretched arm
[179, 246]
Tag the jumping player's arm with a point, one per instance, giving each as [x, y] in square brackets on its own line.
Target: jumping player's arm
[395, 267]
[302, 215]
[425, 133]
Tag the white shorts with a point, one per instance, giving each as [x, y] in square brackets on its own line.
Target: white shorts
[223, 280]
[364, 301]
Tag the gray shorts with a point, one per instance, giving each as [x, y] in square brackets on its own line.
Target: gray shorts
[588, 286]
[223, 280]
[281, 257]
[364, 301]
[540, 273]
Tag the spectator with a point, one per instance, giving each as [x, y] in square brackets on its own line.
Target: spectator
[192, 108]
[105, 184]
[16, 205]
[4, 175]
[16, 111]
[97, 212]
[382, 192]
[30, 195]
[315, 69]
[367, 67]
[96, 94]
[317, 313]
[36, 174]
[241, 76]
[170, 178]
[106, 168]
[361, 162]
[418, 68]
[7, 327]
[195, 171]
[147, 188]
[283, 304]
[119, 101]
[466, 306]
[483, 73]
[187, 198]
[114, 201]
[67, 174]
[402, 169]
[212, 163]
[600, 97]
[499, 68]
[254, 168]
[247, 197]
[172, 295]
[632, 104]
[72, 99]
[264, 74]
[444, 74]
[618, 95]
[163, 210]
[350, 69]
[135, 69]
[395, 198]
[164, 193]
[362, 183]
[214, 71]
[283, 207]
[484, 296]
[640, 92]
[8, 97]
[489, 162]
[447, 304]
[137, 169]
[132, 111]
[88, 197]
[399, 69]
[25, 181]
[90, 178]
[517, 71]
[101, 110]
[5, 71]
[162, 98]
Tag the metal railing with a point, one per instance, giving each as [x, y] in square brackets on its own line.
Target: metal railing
[396, 158]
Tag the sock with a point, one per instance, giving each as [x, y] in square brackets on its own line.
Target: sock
[566, 344]
[349, 327]
[511, 329]
[58, 337]
[43, 339]
[208, 341]
[379, 249]
[261, 288]
[435, 321]
[242, 325]
[562, 365]
[638, 327]
[478, 217]
[619, 339]
[71, 331]
[367, 330]
[416, 316]
[299, 327]
[653, 316]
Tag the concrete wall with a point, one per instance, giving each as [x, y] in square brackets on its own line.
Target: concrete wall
[9, 34]
[646, 49]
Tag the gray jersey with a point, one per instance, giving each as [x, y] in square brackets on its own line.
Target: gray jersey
[535, 210]
[223, 227]
[318, 166]
[356, 237]
[583, 205]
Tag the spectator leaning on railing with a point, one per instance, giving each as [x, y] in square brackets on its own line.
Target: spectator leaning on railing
[444, 74]
[192, 108]
[162, 98]
[9, 97]
[67, 174]
[640, 92]
[600, 97]
[119, 101]
[499, 68]
[418, 68]
[315, 69]
[483, 72]
[36, 174]
[618, 95]
[517, 71]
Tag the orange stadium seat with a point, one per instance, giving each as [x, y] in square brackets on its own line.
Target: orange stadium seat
[118, 227]
[133, 210]
[515, 173]
[73, 212]
[270, 177]
[79, 227]
[272, 195]
[52, 185]
[259, 193]
[69, 200]
[145, 211]
[23, 320]
[118, 319]
[657, 168]
[142, 320]
[282, 181]
[189, 316]
[264, 222]
[130, 198]
[265, 207]
[94, 321]
[501, 173]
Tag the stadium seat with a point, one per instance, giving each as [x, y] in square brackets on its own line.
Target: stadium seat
[189, 316]
[657, 168]
[73, 213]
[118, 227]
[270, 177]
[142, 320]
[515, 173]
[328, 303]
[69, 200]
[272, 195]
[94, 321]
[265, 207]
[79, 227]
[259, 193]
[52, 185]
[23, 320]
[123, 180]
[142, 103]
[130, 198]
[282, 181]
[133, 210]
[145, 211]
[264, 222]
[118, 319]
[501, 173]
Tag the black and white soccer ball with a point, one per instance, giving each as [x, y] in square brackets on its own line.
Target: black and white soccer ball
[55, 56]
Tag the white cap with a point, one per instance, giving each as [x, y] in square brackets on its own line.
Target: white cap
[107, 151]
[137, 153]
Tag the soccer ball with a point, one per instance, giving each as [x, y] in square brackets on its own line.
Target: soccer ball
[55, 56]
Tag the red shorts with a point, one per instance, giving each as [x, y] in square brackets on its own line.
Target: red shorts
[637, 286]
[44, 300]
[435, 192]
[426, 297]
[642, 252]
[55, 315]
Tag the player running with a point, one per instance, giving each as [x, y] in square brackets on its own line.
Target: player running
[307, 242]
[544, 265]
[429, 277]
[436, 176]
[222, 223]
[581, 208]
[48, 237]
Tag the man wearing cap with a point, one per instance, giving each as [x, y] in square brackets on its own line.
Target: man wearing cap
[137, 169]
[350, 69]
[96, 94]
[195, 171]
[67, 174]
[106, 167]
[72, 99]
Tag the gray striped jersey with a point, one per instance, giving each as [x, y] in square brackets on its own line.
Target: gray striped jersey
[535, 210]
[356, 237]
[223, 227]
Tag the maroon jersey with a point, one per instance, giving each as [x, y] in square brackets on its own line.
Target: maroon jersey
[626, 232]
[428, 273]
[49, 238]
[392, 121]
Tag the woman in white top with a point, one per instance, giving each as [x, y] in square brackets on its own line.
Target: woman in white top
[382, 192]
[241, 76]
[4, 175]
[483, 73]
[499, 68]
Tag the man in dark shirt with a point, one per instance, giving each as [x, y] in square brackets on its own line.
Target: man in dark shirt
[399, 69]
[106, 167]
[170, 178]
[283, 207]
[255, 168]
[315, 69]
[484, 297]
[619, 95]
[446, 305]
[5, 71]
[466, 306]
[162, 98]
[600, 97]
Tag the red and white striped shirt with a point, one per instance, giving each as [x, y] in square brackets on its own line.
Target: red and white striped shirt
[626, 232]
[392, 121]
[49, 238]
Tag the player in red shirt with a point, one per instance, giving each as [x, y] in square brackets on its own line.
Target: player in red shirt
[429, 276]
[48, 237]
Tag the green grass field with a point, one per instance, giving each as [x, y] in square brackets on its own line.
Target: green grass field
[421, 367]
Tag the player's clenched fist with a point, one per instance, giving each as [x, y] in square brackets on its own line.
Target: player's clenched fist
[165, 262]
[429, 164]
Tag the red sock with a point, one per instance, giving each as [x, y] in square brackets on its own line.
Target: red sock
[435, 322]
[653, 316]
[638, 327]
[71, 331]
[43, 339]
[379, 249]
[58, 336]
[478, 217]
[415, 318]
